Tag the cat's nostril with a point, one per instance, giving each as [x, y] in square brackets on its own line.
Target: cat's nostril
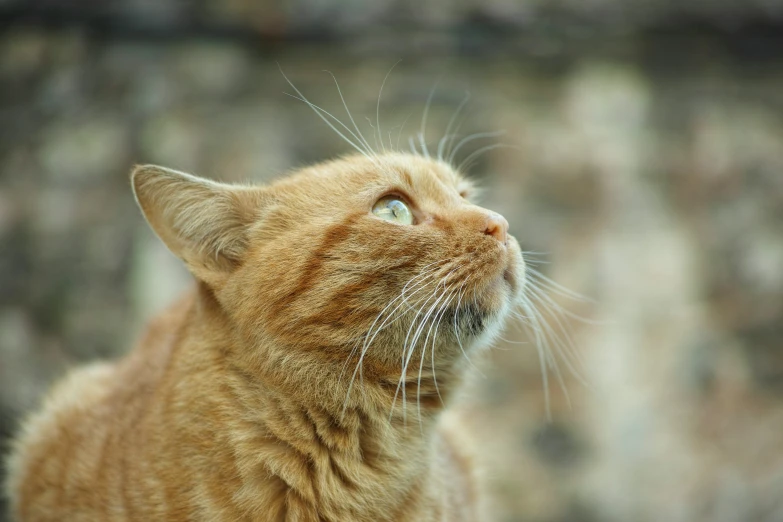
[496, 226]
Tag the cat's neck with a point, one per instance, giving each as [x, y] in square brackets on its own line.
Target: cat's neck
[303, 429]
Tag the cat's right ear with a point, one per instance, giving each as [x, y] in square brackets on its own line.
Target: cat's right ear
[202, 222]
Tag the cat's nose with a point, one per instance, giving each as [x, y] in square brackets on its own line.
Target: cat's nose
[496, 226]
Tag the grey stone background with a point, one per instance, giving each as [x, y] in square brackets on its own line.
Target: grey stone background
[644, 159]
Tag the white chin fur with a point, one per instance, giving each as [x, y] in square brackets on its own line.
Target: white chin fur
[494, 327]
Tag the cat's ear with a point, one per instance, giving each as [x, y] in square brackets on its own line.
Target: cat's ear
[202, 222]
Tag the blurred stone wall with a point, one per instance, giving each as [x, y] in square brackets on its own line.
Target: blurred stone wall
[282, 18]
[649, 170]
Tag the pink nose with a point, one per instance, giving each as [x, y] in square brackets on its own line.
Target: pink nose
[496, 226]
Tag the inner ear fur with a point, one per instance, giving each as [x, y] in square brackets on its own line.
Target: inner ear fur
[202, 222]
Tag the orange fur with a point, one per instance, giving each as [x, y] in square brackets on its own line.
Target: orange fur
[259, 395]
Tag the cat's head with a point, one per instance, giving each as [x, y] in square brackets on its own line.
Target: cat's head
[383, 259]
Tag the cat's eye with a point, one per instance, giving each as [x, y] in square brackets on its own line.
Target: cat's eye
[392, 208]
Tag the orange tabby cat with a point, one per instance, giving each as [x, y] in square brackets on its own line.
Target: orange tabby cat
[305, 377]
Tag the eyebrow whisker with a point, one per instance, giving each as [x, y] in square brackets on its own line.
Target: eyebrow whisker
[347, 110]
[423, 128]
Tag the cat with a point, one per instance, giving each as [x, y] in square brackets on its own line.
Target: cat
[308, 374]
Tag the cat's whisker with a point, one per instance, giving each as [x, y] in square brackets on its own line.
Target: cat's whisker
[320, 112]
[403, 359]
[374, 132]
[437, 327]
[509, 341]
[452, 139]
[412, 145]
[445, 137]
[554, 309]
[378, 105]
[347, 110]
[538, 284]
[423, 145]
[420, 278]
[543, 333]
[408, 348]
[423, 129]
[424, 349]
[541, 289]
[424, 276]
[426, 340]
[543, 358]
[370, 336]
[467, 139]
[527, 254]
[422, 325]
[423, 305]
[399, 132]
[467, 162]
[429, 317]
[447, 133]
[563, 342]
[557, 288]
[553, 360]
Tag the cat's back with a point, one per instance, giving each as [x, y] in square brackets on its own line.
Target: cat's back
[69, 454]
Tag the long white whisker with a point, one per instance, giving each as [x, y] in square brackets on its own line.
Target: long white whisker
[509, 341]
[564, 347]
[409, 347]
[447, 133]
[420, 279]
[319, 110]
[466, 163]
[420, 282]
[540, 343]
[399, 133]
[453, 137]
[555, 287]
[422, 131]
[405, 358]
[412, 145]
[427, 318]
[468, 139]
[374, 132]
[439, 318]
[350, 117]
[546, 333]
[378, 105]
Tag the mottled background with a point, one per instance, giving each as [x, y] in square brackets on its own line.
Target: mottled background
[645, 162]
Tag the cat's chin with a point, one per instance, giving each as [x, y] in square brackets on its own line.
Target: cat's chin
[484, 319]
[480, 326]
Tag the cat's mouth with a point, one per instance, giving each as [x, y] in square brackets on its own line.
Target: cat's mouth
[472, 319]
[476, 316]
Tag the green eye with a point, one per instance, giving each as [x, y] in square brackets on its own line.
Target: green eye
[392, 208]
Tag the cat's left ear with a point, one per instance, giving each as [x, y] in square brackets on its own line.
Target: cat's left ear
[204, 223]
